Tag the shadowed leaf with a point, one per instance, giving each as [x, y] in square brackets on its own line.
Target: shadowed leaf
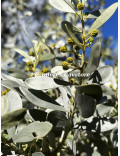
[12, 118]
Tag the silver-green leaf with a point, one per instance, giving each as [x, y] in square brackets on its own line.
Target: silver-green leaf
[103, 17]
[62, 5]
[33, 131]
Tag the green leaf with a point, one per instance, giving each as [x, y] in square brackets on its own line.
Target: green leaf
[38, 154]
[94, 59]
[103, 17]
[47, 56]
[44, 82]
[12, 118]
[41, 99]
[9, 84]
[93, 90]
[62, 5]
[73, 37]
[72, 27]
[33, 131]
[23, 53]
[4, 105]
[14, 100]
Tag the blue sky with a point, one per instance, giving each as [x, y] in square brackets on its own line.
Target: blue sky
[110, 28]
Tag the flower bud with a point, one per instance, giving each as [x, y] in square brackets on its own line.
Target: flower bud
[26, 69]
[70, 60]
[72, 80]
[94, 33]
[29, 63]
[91, 39]
[70, 41]
[65, 65]
[80, 6]
[45, 70]
[76, 47]
[63, 49]
[32, 53]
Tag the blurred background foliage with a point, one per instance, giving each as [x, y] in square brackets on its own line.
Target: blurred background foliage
[43, 21]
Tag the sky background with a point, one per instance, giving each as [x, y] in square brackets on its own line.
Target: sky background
[110, 28]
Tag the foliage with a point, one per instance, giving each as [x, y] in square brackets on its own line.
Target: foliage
[63, 108]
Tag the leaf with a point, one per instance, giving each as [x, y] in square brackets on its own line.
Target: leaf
[94, 59]
[4, 105]
[95, 14]
[72, 27]
[14, 100]
[101, 75]
[12, 118]
[9, 84]
[103, 17]
[85, 104]
[62, 5]
[38, 154]
[58, 70]
[98, 124]
[21, 52]
[47, 56]
[19, 76]
[93, 90]
[58, 119]
[40, 99]
[103, 109]
[38, 115]
[17, 81]
[73, 37]
[84, 1]
[43, 82]
[33, 131]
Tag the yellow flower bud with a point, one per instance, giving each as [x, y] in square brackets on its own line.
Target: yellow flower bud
[111, 86]
[45, 70]
[70, 60]
[80, 6]
[72, 80]
[26, 69]
[94, 33]
[76, 47]
[29, 63]
[63, 49]
[91, 39]
[70, 41]
[65, 65]
[32, 53]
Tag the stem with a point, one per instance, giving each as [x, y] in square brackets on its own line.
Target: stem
[84, 46]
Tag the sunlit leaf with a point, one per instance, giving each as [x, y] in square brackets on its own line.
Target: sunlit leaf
[103, 17]
[62, 5]
[47, 56]
[23, 53]
[38, 154]
[32, 131]
[44, 82]
[41, 99]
